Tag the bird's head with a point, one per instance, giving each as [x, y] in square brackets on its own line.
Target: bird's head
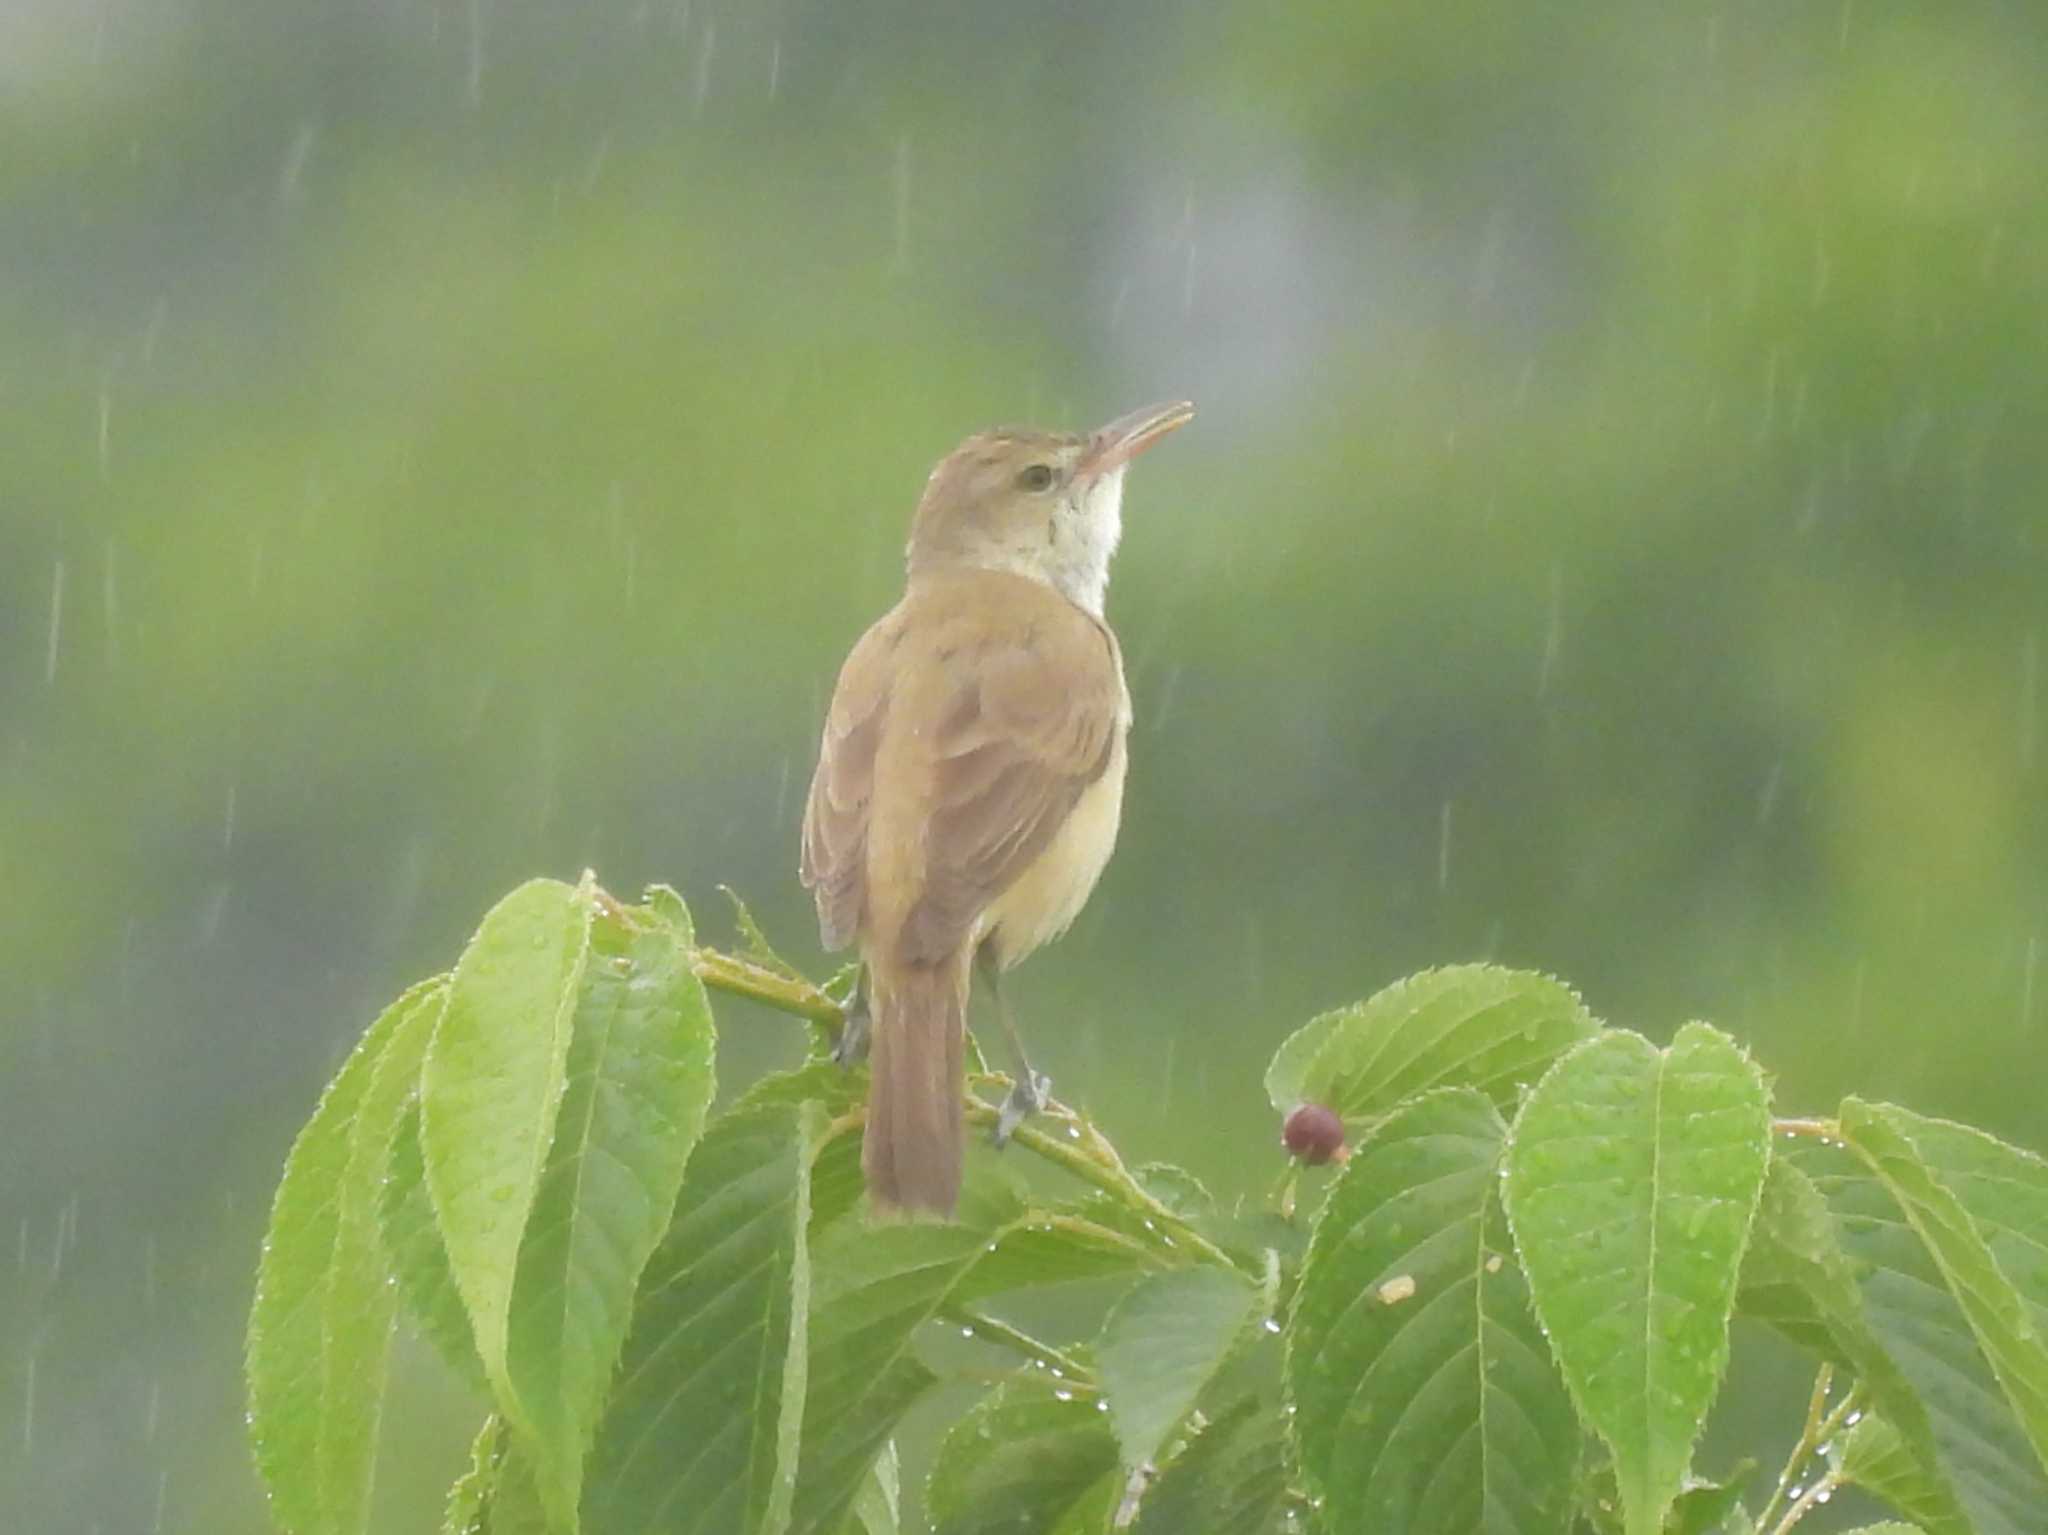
[1047, 505]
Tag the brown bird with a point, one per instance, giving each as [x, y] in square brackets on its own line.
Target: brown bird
[971, 776]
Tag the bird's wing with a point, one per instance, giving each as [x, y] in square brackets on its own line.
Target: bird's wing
[833, 862]
[965, 725]
[1002, 725]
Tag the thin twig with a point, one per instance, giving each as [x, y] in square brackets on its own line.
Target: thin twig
[1822, 1424]
[1809, 1436]
[1822, 1489]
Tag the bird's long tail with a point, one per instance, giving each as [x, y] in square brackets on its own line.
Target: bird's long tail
[915, 1137]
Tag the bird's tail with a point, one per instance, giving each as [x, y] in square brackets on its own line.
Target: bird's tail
[915, 1139]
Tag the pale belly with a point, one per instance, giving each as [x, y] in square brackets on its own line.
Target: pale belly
[1048, 895]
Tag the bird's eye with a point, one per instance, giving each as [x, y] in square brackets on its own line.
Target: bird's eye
[1037, 477]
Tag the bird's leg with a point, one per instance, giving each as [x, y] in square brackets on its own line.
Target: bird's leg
[1031, 1089]
[852, 1042]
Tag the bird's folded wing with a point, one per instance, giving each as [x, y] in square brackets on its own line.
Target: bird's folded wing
[833, 861]
[987, 732]
[1021, 732]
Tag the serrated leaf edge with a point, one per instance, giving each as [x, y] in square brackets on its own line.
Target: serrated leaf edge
[1507, 1205]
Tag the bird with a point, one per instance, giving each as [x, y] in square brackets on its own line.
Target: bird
[970, 776]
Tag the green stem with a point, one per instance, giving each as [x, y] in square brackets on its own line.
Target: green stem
[1822, 1425]
[1813, 1129]
[1822, 1489]
[786, 992]
[1087, 1154]
[743, 978]
[996, 1330]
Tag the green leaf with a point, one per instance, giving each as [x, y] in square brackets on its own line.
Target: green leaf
[1794, 1276]
[1705, 1507]
[497, 1495]
[1926, 1167]
[1711, 1507]
[1426, 1399]
[1951, 1399]
[492, 1086]
[1477, 1026]
[837, 1182]
[700, 1434]
[1632, 1177]
[1873, 1456]
[320, 1326]
[836, 1179]
[1231, 1476]
[878, 1284]
[2005, 1190]
[464, 1514]
[878, 1509]
[1096, 1236]
[834, 1088]
[1176, 1188]
[1247, 1235]
[416, 1258]
[1035, 1455]
[1797, 1277]
[1924, 1163]
[1162, 1344]
[1889, 1527]
[1596, 1500]
[754, 944]
[638, 1083]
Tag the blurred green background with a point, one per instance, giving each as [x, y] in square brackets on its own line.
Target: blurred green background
[443, 441]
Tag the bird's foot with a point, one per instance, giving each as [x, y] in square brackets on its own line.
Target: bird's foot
[852, 1044]
[1026, 1098]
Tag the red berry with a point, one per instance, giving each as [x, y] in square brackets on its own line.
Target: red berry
[1315, 1134]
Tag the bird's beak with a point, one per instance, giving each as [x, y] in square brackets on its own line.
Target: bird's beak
[1113, 446]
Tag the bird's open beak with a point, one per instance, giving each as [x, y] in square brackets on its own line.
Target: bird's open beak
[1113, 446]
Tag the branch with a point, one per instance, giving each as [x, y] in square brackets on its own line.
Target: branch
[743, 978]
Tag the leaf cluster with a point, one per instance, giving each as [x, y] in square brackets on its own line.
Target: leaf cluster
[1508, 1311]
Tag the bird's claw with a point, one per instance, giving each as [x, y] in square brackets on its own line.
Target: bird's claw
[1025, 1099]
